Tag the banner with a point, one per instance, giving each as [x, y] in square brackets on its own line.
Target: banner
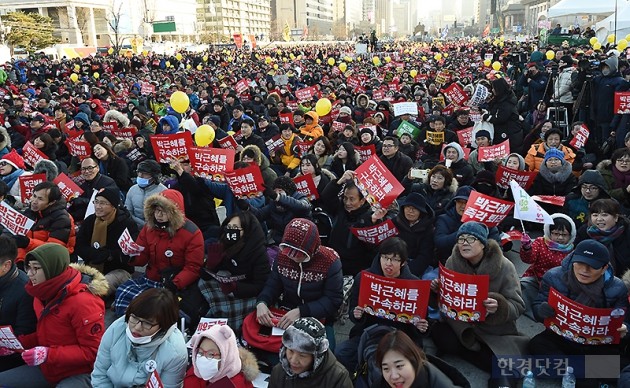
[147, 88]
[435, 138]
[78, 148]
[524, 178]
[399, 300]
[238, 40]
[306, 186]
[462, 295]
[28, 183]
[211, 163]
[622, 103]
[494, 152]
[228, 143]
[376, 234]
[286, 118]
[377, 183]
[465, 136]
[486, 209]
[580, 138]
[32, 155]
[365, 152]
[557, 200]
[245, 182]
[584, 325]
[69, 189]
[405, 108]
[8, 339]
[110, 126]
[127, 245]
[175, 146]
[16, 222]
[125, 133]
[407, 127]
[274, 144]
[526, 208]
[456, 94]
[306, 93]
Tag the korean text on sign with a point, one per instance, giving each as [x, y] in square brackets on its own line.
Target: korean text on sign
[465, 136]
[27, 183]
[377, 183]
[462, 295]
[395, 299]
[305, 185]
[80, 149]
[8, 339]
[524, 178]
[245, 182]
[31, 154]
[16, 222]
[494, 152]
[68, 188]
[486, 209]
[456, 94]
[376, 234]
[365, 152]
[622, 103]
[205, 324]
[211, 163]
[174, 146]
[127, 245]
[581, 137]
[584, 325]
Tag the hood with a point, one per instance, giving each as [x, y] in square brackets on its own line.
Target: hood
[114, 115]
[592, 177]
[613, 63]
[255, 150]
[521, 160]
[462, 192]
[95, 280]
[172, 122]
[82, 117]
[314, 116]
[303, 234]
[224, 338]
[6, 143]
[46, 167]
[460, 151]
[501, 87]
[172, 202]
[568, 219]
[360, 103]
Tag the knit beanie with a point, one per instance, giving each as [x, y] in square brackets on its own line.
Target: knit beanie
[476, 229]
[483, 133]
[14, 159]
[346, 110]
[305, 335]
[285, 183]
[300, 235]
[111, 195]
[224, 338]
[554, 153]
[53, 258]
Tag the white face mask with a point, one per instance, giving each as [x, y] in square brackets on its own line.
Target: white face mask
[138, 340]
[207, 367]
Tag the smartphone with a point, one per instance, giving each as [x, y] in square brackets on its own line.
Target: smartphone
[264, 331]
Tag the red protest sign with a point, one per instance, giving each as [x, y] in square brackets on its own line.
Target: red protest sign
[286, 118]
[127, 245]
[8, 339]
[147, 88]
[462, 295]
[303, 146]
[68, 188]
[16, 222]
[376, 234]
[466, 152]
[378, 95]
[306, 93]
[524, 178]
[27, 183]
[456, 94]
[211, 163]
[580, 138]
[622, 103]
[582, 324]
[245, 182]
[354, 82]
[124, 133]
[274, 144]
[110, 126]
[154, 380]
[465, 136]
[228, 143]
[241, 86]
[337, 126]
[400, 300]
[293, 105]
[78, 148]
[486, 209]
[174, 146]
[365, 152]
[377, 183]
[557, 200]
[32, 155]
[306, 186]
[494, 152]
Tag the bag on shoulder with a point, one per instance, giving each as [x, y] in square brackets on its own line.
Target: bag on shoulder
[368, 374]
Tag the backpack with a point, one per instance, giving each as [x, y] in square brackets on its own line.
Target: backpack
[368, 374]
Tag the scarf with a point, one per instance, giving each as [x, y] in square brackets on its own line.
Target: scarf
[99, 233]
[591, 295]
[12, 178]
[52, 288]
[605, 236]
[622, 180]
[555, 246]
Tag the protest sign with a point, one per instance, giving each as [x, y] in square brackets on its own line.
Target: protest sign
[8, 339]
[365, 152]
[486, 209]
[462, 295]
[228, 143]
[127, 245]
[621, 104]
[211, 163]
[78, 148]
[306, 186]
[376, 234]
[580, 138]
[582, 324]
[245, 182]
[494, 152]
[303, 146]
[524, 178]
[557, 200]
[286, 118]
[32, 155]
[377, 183]
[274, 144]
[438, 102]
[241, 86]
[27, 183]
[147, 89]
[525, 208]
[125, 133]
[205, 324]
[465, 136]
[400, 300]
[174, 146]
[110, 126]
[337, 126]
[306, 93]
[435, 138]
[407, 127]
[456, 94]
[16, 222]
[480, 95]
[405, 108]
[68, 188]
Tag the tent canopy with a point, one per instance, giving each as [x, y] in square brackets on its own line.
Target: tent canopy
[608, 24]
[581, 7]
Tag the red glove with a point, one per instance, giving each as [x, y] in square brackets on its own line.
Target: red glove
[6, 351]
[35, 356]
[228, 288]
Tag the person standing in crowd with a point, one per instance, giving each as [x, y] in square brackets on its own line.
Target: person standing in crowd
[502, 113]
[147, 184]
[603, 89]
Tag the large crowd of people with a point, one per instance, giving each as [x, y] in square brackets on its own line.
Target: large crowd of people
[285, 259]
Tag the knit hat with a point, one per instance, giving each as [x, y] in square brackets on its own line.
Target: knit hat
[224, 338]
[301, 237]
[54, 259]
[554, 153]
[151, 167]
[305, 335]
[285, 183]
[462, 193]
[14, 159]
[592, 253]
[346, 110]
[483, 133]
[476, 229]
[216, 120]
[457, 147]
[593, 177]
[366, 130]
[417, 201]
[111, 195]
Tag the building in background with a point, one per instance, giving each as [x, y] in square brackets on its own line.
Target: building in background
[158, 20]
[219, 20]
[307, 19]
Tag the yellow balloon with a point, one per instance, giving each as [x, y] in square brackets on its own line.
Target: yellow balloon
[231, 133]
[204, 135]
[285, 59]
[550, 54]
[424, 58]
[331, 61]
[199, 67]
[179, 101]
[74, 77]
[347, 59]
[359, 59]
[376, 61]
[178, 56]
[188, 66]
[268, 60]
[487, 62]
[110, 51]
[445, 55]
[292, 56]
[318, 61]
[628, 37]
[145, 52]
[77, 67]
[622, 44]
[593, 40]
[413, 73]
[597, 46]
[96, 75]
[230, 59]
[388, 59]
[323, 107]
[610, 38]
[205, 58]
[496, 65]
[437, 56]
[406, 51]
[168, 63]
[343, 67]
[275, 66]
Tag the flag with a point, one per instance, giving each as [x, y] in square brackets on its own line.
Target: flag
[286, 32]
[486, 31]
[444, 32]
[525, 208]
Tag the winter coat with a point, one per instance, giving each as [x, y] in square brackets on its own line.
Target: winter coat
[279, 212]
[399, 164]
[288, 154]
[337, 167]
[462, 172]
[256, 140]
[243, 379]
[79, 205]
[575, 205]
[329, 374]
[504, 116]
[110, 254]
[198, 201]
[16, 308]
[562, 86]
[261, 160]
[116, 168]
[559, 183]
[437, 199]
[536, 155]
[419, 239]
[314, 130]
[53, 225]
[540, 257]
[618, 193]
[70, 325]
[120, 363]
[179, 246]
[603, 88]
[618, 248]
[498, 331]
[114, 115]
[536, 88]
[134, 202]
[437, 374]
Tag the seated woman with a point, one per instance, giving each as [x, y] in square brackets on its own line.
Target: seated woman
[554, 178]
[415, 227]
[438, 189]
[146, 334]
[322, 149]
[112, 165]
[236, 269]
[404, 364]
[321, 177]
[616, 173]
[552, 139]
[217, 360]
[346, 158]
[306, 360]
[454, 159]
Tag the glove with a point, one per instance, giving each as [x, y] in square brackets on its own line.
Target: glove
[170, 286]
[242, 204]
[526, 241]
[271, 194]
[6, 352]
[228, 288]
[21, 241]
[545, 310]
[35, 356]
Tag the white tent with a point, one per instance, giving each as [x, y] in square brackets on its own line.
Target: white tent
[607, 26]
[582, 7]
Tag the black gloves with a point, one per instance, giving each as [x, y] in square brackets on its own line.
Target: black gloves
[545, 310]
[170, 286]
[21, 241]
[242, 204]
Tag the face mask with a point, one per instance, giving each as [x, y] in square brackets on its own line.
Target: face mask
[143, 182]
[138, 340]
[161, 225]
[207, 367]
[232, 236]
[606, 72]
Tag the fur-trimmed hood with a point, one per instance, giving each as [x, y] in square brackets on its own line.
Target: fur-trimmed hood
[560, 176]
[249, 364]
[47, 167]
[568, 219]
[6, 143]
[114, 115]
[95, 280]
[172, 202]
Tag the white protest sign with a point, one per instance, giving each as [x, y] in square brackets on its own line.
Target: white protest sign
[127, 245]
[8, 339]
[16, 222]
[479, 96]
[406, 108]
[205, 324]
[90, 208]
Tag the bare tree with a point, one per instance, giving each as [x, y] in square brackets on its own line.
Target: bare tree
[83, 19]
[114, 24]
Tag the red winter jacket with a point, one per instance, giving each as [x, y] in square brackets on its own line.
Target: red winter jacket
[541, 258]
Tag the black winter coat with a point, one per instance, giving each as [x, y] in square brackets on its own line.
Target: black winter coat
[80, 204]
[503, 114]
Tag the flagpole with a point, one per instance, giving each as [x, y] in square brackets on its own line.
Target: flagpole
[522, 226]
[616, 20]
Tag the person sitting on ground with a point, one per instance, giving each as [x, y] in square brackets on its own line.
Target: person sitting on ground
[93, 180]
[591, 187]
[147, 184]
[454, 159]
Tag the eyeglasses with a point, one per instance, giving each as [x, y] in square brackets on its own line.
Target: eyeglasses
[394, 259]
[101, 203]
[2, 164]
[589, 188]
[557, 234]
[145, 325]
[209, 354]
[388, 145]
[88, 168]
[231, 226]
[468, 240]
[33, 270]
[623, 161]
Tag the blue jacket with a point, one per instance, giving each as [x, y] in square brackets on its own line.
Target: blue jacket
[603, 93]
[172, 122]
